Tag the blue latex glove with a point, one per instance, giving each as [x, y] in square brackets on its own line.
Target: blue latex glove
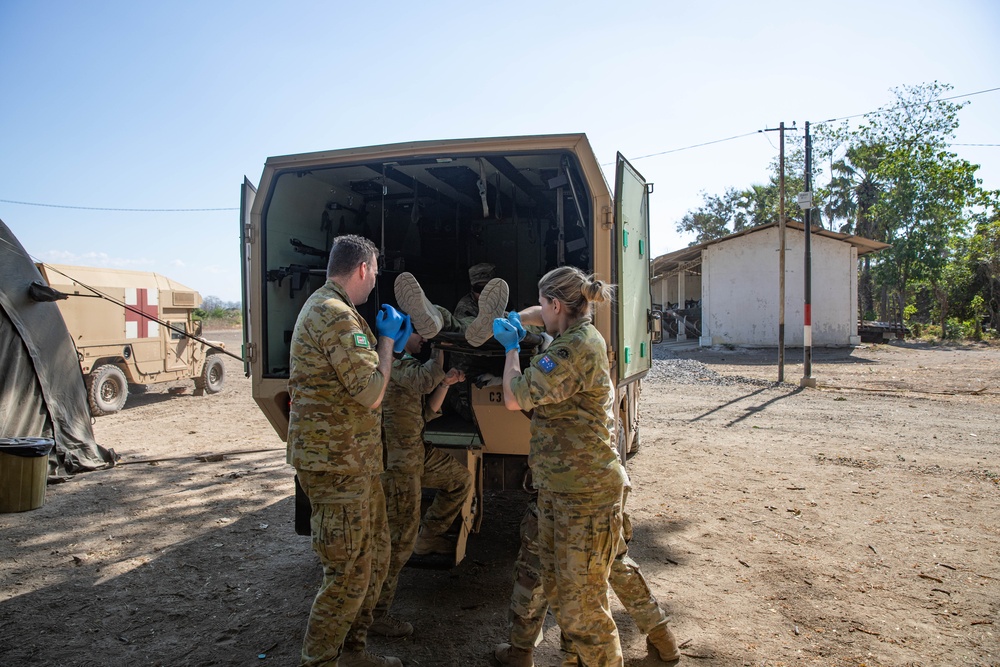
[399, 342]
[506, 334]
[388, 322]
[514, 318]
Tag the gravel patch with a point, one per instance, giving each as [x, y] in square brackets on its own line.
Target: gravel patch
[669, 369]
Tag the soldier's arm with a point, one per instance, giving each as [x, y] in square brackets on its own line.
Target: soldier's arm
[384, 370]
[532, 315]
[511, 376]
[363, 371]
[551, 377]
[436, 399]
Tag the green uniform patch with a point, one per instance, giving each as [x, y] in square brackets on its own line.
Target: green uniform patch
[360, 340]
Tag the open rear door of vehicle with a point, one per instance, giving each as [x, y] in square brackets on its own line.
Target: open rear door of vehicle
[634, 297]
[247, 194]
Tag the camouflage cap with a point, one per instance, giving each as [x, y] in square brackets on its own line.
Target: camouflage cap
[480, 274]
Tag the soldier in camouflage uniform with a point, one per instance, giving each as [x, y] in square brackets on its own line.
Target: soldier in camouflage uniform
[573, 461]
[528, 604]
[414, 397]
[476, 323]
[479, 276]
[337, 379]
[429, 320]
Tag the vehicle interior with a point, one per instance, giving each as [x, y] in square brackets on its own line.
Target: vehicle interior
[431, 216]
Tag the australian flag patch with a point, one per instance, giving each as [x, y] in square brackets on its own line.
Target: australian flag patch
[546, 363]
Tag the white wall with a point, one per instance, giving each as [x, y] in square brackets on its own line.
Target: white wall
[740, 287]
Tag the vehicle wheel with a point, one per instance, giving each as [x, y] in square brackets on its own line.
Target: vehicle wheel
[620, 431]
[212, 377]
[635, 444]
[107, 390]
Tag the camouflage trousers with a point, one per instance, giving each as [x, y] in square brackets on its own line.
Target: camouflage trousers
[527, 601]
[578, 538]
[403, 482]
[351, 537]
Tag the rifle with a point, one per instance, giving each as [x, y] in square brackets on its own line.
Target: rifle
[299, 273]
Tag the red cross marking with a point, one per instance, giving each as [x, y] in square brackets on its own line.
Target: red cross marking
[140, 302]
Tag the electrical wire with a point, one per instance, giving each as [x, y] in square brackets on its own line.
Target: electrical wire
[905, 106]
[604, 164]
[102, 208]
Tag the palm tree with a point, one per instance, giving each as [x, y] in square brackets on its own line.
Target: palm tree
[854, 191]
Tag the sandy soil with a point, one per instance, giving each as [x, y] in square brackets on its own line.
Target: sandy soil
[852, 524]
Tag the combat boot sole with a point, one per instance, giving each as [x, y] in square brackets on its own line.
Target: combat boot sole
[426, 319]
[492, 304]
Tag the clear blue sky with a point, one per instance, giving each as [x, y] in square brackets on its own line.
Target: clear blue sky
[148, 105]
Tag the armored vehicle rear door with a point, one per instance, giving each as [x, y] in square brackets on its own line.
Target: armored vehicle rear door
[634, 297]
[247, 195]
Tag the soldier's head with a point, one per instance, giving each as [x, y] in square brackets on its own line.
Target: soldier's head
[565, 295]
[479, 275]
[353, 265]
[414, 343]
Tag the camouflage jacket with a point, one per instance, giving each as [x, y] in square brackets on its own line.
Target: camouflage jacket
[332, 379]
[404, 409]
[570, 390]
[467, 307]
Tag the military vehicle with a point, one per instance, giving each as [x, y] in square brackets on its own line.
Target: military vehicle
[133, 328]
[435, 208]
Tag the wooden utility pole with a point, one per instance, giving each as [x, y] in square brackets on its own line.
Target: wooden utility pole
[781, 247]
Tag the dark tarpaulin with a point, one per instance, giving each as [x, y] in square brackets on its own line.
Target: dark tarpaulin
[42, 391]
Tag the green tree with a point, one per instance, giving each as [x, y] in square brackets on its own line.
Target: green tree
[715, 218]
[906, 189]
[984, 257]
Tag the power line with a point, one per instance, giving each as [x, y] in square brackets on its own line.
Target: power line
[904, 106]
[640, 157]
[707, 143]
[102, 208]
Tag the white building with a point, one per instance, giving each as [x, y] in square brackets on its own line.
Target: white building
[736, 282]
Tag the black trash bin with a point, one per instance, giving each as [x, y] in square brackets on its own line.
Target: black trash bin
[24, 465]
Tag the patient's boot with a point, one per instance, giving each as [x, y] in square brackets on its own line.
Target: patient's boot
[426, 319]
[492, 304]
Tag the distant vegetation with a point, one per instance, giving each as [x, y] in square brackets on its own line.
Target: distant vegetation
[893, 177]
[218, 314]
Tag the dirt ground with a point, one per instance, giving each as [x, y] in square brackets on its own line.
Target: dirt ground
[851, 524]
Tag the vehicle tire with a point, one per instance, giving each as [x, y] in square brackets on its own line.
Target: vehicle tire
[213, 375]
[621, 445]
[107, 390]
[635, 444]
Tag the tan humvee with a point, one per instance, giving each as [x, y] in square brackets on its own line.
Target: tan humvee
[435, 208]
[133, 328]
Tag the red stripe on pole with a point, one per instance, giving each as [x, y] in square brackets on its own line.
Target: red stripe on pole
[808, 314]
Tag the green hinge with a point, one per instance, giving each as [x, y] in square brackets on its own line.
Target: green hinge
[642, 350]
[624, 238]
[628, 355]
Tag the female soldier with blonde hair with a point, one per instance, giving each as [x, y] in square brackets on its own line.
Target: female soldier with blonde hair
[573, 462]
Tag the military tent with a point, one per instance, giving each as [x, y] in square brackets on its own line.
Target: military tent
[42, 391]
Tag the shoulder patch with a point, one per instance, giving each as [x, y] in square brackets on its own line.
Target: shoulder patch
[546, 363]
[360, 340]
[563, 352]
